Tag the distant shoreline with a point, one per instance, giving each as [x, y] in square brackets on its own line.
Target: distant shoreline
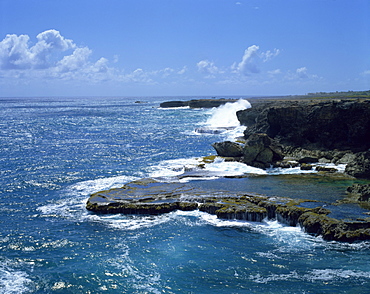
[215, 102]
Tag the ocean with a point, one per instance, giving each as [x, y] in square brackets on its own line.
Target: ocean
[55, 152]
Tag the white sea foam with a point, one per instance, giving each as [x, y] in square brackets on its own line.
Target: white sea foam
[133, 222]
[218, 168]
[223, 120]
[214, 221]
[13, 281]
[145, 282]
[73, 200]
[232, 168]
[325, 275]
[225, 115]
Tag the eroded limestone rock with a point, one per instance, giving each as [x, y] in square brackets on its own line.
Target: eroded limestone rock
[228, 149]
[149, 196]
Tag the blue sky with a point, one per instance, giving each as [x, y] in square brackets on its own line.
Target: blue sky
[183, 47]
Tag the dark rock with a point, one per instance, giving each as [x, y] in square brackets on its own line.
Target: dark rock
[212, 130]
[286, 164]
[170, 104]
[359, 166]
[326, 169]
[261, 151]
[228, 149]
[209, 103]
[333, 229]
[148, 196]
[334, 124]
[197, 103]
[360, 191]
[306, 166]
[308, 159]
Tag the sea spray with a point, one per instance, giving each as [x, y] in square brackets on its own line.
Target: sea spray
[225, 115]
[223, 120]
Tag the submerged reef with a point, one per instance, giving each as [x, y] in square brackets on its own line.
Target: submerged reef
[150, 196]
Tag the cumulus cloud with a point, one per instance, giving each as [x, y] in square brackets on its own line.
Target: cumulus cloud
[77, 60]
[268, 55]
[302, 73]
[207, 66]
[249, 61]
[52, 56]
[15, 52]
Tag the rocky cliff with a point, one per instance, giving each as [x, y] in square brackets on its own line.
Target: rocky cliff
[325, 125]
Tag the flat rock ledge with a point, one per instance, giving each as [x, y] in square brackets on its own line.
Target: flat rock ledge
[197, 103]
[149, 196]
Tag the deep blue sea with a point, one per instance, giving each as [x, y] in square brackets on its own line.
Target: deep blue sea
[55, 152]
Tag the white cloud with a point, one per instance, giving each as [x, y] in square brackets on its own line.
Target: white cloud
[77, 60]
[183, 70]
[206, 66]
[302, 73]
[249, 61]
[274, 72]
[52, 39]
[52, 56]
[268, 55]
[15, 52]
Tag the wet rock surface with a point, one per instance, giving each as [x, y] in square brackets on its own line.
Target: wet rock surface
[228, 149]
[359, 192]
[150, 196]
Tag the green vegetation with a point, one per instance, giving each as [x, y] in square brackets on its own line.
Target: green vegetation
[348, 95]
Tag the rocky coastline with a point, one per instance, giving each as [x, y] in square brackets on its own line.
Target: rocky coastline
[149, 196]
[280, 133]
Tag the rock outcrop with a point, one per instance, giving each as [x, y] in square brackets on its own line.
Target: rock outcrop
[359, 192]
[228, 149]
[336, 131]
[359, 165]
[329, 125]
[149, 196]
[261, 151]
[197, 103]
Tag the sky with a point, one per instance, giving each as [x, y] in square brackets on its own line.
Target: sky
[183, 47]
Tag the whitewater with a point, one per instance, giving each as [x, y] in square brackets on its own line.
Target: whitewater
[55, 152]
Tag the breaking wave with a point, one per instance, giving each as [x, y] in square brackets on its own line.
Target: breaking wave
[223, 120]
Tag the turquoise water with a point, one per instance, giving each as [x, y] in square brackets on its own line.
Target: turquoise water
[55, 152]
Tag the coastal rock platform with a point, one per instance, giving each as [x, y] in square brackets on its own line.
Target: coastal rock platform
[152, 196]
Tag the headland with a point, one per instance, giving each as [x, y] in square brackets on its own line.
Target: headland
[281, 132]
